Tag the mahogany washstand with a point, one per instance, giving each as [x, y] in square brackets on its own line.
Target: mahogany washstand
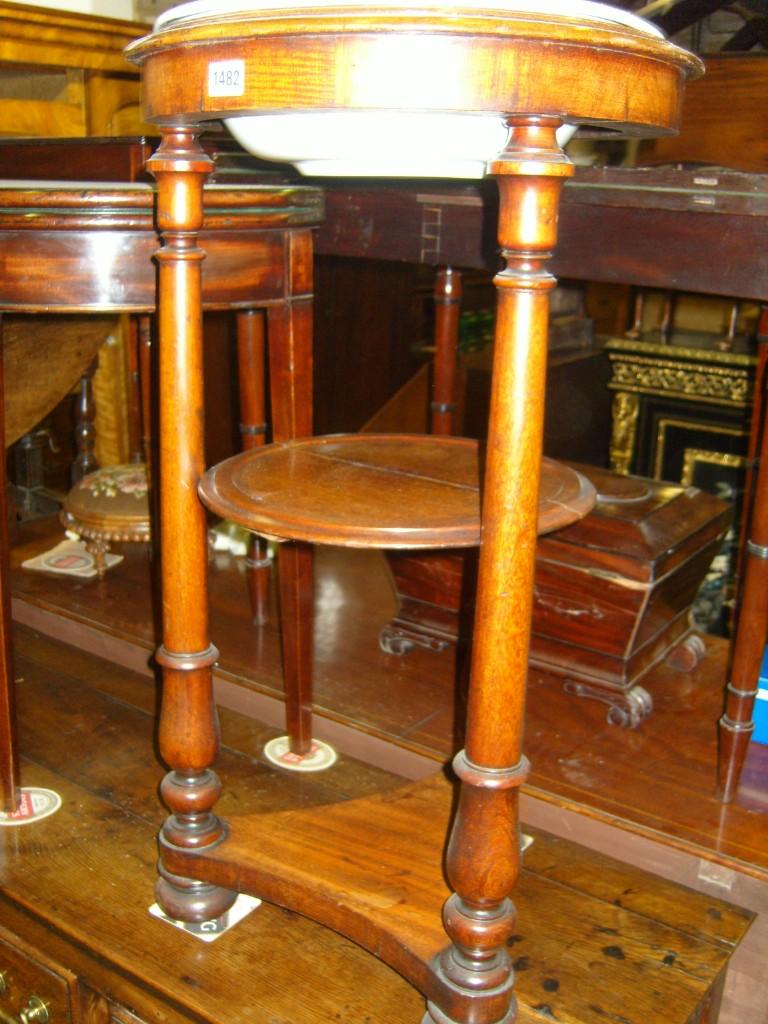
[373, 869]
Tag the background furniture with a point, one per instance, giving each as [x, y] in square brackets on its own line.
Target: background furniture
[65, 74]
[73, 249]
[482, 63]
[693, 230]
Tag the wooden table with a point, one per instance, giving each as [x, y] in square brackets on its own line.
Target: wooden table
[87, 248]
[384, 885]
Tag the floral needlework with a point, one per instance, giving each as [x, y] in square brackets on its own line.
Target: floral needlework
[117, 480]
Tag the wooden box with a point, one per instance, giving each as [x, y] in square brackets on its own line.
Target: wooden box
[612, 596]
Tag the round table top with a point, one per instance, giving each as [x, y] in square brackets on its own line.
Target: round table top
[375, 490]
[506, 59]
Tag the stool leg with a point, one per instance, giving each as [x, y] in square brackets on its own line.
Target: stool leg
[483, 851]
[188, 732]
[9, 763]
[253, 429]
[447, 308]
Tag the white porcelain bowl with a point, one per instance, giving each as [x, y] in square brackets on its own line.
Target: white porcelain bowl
[377, 143]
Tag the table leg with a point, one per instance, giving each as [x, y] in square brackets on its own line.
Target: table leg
[289, 331]
[188, 731]
[447, 296]
[483, 852]
[9, 763]
[736, 725]
[253, 428]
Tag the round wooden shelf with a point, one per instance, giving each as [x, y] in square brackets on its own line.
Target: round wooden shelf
[374, 490]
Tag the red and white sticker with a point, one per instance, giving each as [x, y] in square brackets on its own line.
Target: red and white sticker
[34, 805]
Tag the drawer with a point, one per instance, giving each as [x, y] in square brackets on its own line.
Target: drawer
[28, 980]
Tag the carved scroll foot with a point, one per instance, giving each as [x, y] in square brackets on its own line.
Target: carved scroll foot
[627, 709]
[397, 640]
[688, 654]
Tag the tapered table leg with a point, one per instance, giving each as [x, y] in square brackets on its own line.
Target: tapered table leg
[188, 724]
[253, 428]
[289, 331]
[483, 851]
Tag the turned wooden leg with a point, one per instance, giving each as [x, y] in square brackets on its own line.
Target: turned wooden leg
[85, 432]
[447, 309]
[188, 731]
[9, 762]
[736, 725]
[253, 429]
[483, 851]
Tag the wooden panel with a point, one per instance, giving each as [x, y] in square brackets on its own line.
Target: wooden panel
[725, 117]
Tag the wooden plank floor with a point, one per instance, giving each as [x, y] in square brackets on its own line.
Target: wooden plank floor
[596, 941]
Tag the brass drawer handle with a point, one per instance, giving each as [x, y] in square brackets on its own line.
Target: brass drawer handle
[35, 1012]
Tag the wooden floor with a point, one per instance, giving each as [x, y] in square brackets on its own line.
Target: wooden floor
[646, 795]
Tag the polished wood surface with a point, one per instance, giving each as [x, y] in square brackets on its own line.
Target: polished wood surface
[368, 490]
[463, 60]
[65, 74]
[724, 119]
[644, 100]
[611, 223]
[600, 923]
[54, 237]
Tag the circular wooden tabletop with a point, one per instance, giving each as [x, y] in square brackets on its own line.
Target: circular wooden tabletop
[502, 59]
[374, 490]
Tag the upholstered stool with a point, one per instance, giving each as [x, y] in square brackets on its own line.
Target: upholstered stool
[403, 90]
[109, 505]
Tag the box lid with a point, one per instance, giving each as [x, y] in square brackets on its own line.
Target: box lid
[639, 529]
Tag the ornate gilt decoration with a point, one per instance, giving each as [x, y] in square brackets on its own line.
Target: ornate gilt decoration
[666, 422]
[692, 456]
[722, 385]
[624, 413]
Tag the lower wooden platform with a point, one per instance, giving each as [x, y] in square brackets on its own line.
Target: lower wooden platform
[646, 796]
[596, 940]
